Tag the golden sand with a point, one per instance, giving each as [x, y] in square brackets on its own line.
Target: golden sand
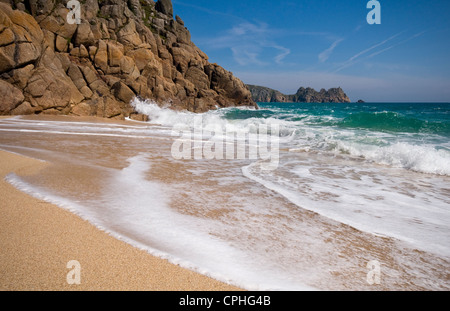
[38, 239]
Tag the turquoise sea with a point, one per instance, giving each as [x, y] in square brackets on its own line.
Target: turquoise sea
[386, 133]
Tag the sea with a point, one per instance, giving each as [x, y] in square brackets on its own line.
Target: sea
[356, 196]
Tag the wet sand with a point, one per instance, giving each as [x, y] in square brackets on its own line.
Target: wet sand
[38, 239]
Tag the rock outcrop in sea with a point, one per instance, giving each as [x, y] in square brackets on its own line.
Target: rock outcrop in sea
[120, 50]
[303, 95]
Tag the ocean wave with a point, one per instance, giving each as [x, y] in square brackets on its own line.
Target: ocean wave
[422, 159]
[374, 136]
[237, 120]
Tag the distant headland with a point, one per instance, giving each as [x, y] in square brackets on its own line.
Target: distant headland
[303, 95]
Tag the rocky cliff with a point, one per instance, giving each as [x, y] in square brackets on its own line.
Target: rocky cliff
[303, 95]
[120, 49]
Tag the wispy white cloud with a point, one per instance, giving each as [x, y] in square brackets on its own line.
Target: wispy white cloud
[247, 55]
[283, 53]
[397, 44]
[327, 53]
[251, 44]
[358, 28]
[373, 47]
[363, 54]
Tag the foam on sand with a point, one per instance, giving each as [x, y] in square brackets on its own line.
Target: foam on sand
[135, 210]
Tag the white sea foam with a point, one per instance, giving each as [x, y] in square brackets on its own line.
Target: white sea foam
[368, 197]
[424, 159]
[76, 128]
[373, 203]
[136, 210]
[381, 148]
[213, 119]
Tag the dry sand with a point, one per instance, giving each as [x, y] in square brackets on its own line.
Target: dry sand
[38, 239]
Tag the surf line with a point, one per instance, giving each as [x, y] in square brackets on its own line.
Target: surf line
[258, 142]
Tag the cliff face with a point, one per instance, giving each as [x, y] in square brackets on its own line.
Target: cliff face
[303, 95]
[121, 49]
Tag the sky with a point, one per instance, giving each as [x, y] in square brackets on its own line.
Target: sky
[322, 44]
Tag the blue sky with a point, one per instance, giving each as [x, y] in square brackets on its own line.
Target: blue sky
[324, 44]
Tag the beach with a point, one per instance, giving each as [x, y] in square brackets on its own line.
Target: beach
[117, 198]
[38, 239]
